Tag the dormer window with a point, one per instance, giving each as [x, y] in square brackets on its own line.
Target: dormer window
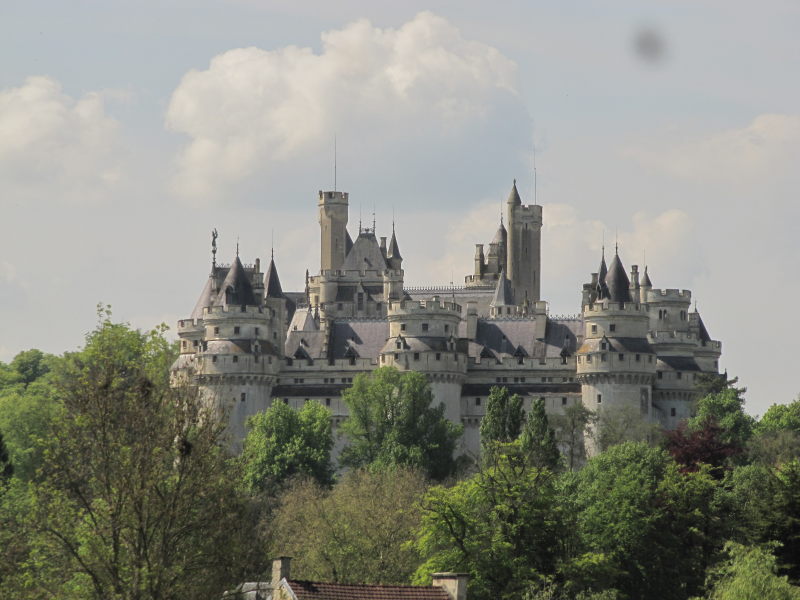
[424, 327]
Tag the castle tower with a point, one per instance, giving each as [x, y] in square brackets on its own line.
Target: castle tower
[423, 336]
[616, 364]
[523, 262]
[333, 229]
[230, 348]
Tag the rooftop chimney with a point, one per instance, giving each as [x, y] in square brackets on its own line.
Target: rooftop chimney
[455, 584]
[280, 569]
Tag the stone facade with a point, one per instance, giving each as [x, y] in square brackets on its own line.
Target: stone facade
[248, 343]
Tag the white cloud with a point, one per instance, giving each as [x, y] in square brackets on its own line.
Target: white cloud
[53, 144]
[417, 86]
[767, 146]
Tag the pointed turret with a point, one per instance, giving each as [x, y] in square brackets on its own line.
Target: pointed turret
[646, 279]
[236, 290]
[513, 197]
[617, 282]
[272, 283]
[395, 258]
[501, 236]
[206, 298]
[503, 295]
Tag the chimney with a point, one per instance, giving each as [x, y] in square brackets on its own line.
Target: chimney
[455, 584]
[280, 570]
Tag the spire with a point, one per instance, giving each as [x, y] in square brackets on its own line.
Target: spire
[646, 280]
[501, 236]
[603, 270]
[214, 236]
[617, 282]
[513, 197]
[394, 249]
[236, 289]
[503, 296]
[272, 283]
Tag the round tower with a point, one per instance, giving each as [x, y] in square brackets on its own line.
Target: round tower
[616, 364]
[423, 336]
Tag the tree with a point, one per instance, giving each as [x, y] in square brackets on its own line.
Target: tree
[714, 383]
[503, 420]
[726, 408]
[6, 468]
[502, 526]
[30, 365]
[776, 438]
[283, 442]
[703, 445]
[538, 440]
[354, 532]
[392, 422]
[781, 417]
[651, 530]
[135, 498]
[750, 572]
[570, 429]
[617, 425]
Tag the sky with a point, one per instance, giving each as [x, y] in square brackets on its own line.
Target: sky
[130, 129]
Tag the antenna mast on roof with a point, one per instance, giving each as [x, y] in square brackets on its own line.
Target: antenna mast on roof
[214, 236]
[334, 163]
[534, 172]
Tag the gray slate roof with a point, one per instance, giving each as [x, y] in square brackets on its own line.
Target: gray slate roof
[617, 282]
[365, 254]
[236, 290]
[677, 363]
[272, 283]
[503, 296]
[513, 197]
[364, 337]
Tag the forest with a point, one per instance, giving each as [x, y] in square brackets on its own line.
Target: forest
[113, 485]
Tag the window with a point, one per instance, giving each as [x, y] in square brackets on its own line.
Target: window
[195, 343]
[235, 359]
[338, 306]
[438, 356]
[477, 401]
[621, 356]
[522, 379]
[286, 401]
[243, 396]
[563, 401]
[672, 412]
[183, 344]
[588, 358]
[679, 375]
[650, 358]
[360, 301]
[661, 374]
[638, 358]
[516, 379]
[594, 328]
[216, 330]
[256, 331]
[505, 379]
[612, 327]
[214, 358]
[603, 357]
[497, 380]
[603, 346]
[599, 398]
[236, 329]
[399, 344]
[327, 401]
[446, 328]
[416, 355]
[424, 327]
[402, 326]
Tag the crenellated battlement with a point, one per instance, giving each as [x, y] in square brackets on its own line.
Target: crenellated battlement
[608, 308]
[669, 295]
[429, 307]
[211, 313]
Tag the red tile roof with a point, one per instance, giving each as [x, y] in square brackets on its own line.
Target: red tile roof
[312, 590]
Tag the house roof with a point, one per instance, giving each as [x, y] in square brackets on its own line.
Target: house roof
[365, 254]
[236, 289]
[362, 338]
[311, 590]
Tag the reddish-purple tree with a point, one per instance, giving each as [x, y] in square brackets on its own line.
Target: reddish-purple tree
[691, 447]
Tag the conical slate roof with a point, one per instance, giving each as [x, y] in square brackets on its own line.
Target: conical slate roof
[348, 243]
[646, 280]
[394, 249]
[702, 331]
[236, 289]
[603, 270]
[206, 298]
[272, 282]
[617, 282]
[501, 236]
[513, 197]
[365, 254]
[503, 296]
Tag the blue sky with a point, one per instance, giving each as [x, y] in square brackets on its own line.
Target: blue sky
[129, 129]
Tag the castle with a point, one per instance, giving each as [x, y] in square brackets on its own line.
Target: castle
[249, 343]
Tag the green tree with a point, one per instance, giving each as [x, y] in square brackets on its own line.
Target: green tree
[617, 425]
[748, 573]
[570, 429]
[283, 442]
[135, 498]
[6, 468]
[30, 365]
[714, 383]
[502, 526]
[726, 408]
[651, 530]
[354, 532]
[503, 420]
[538, 440]
[781, 417]
[392, 422]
